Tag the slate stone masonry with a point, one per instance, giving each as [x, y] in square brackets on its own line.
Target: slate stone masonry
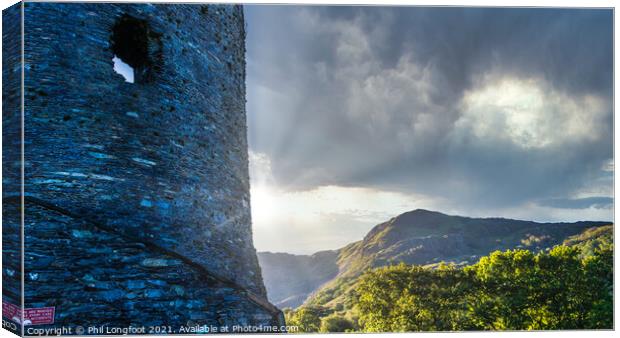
[11, 159]
[136, 194]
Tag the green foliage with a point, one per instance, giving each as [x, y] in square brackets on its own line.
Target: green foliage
[307, 319]
[511, 290]
[336, 293]
[412, 298]
[567, 287]
[592, 239]
[438, 237]
[599, 272]
[336, 323]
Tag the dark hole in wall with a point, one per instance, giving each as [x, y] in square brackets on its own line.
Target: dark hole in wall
[135, 44]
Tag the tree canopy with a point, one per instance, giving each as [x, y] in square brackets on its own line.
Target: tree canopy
[560, 288]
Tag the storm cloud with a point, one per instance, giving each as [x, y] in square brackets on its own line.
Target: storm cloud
[580, 203]
[484, 108]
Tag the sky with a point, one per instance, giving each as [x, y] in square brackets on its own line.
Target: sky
[358, 114]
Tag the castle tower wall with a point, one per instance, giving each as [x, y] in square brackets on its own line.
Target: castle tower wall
[138, 187]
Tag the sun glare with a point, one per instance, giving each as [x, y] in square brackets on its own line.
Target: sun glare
[263, 204]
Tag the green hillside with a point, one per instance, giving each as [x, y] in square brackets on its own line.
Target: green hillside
[569, 286]
[591, 239]
[291, 278]
[419, 237]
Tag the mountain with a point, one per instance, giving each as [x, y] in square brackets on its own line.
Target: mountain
[417, 237]
[291, 278]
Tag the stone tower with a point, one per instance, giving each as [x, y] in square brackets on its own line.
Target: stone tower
[136, 195]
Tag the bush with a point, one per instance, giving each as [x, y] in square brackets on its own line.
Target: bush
[307, 319]
[336, 323]
[511, 290]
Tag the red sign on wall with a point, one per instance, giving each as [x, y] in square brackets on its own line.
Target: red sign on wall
[32, 316]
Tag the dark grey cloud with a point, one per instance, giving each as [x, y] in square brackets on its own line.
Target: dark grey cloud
[407, 98]
[580, 203]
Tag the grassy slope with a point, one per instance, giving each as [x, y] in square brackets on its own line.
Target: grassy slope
[338, 297]
[454, 239]
[418, 237]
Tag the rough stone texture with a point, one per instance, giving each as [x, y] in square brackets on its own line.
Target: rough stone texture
[11, 158]
[143, 185]
[111, 280]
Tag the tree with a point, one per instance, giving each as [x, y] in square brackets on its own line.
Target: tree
[504, 283]
[511, 290]
[307, 319]
[411, 298]
[336, 323]
[599, 279]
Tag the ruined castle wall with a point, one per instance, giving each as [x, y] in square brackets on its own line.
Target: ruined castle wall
[97, 277]
[138, 184]
[11, 158]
